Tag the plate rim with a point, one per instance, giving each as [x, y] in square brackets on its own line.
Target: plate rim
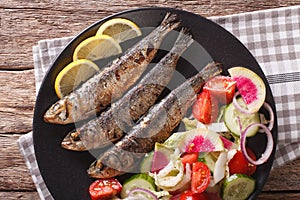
[164, 9]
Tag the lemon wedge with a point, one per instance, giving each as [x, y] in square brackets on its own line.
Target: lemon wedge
[120, 29]
[97, 47]
[73, 75]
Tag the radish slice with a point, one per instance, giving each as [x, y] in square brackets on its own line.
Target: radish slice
[251, 87]
[269, 146]
[271, 114]
[242, 110]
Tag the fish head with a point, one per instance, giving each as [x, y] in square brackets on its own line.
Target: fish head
[73, 142]
[59, 112]
[98, 170]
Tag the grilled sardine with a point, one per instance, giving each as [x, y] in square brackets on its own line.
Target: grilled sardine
[110, 84]
[111, 125]
[156, 126]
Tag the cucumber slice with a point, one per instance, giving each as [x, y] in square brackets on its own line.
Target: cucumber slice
[147, 162]
[138, 181]
[237, 187]
[231, 115]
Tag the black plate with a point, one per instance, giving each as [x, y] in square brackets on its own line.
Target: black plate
[64, 172]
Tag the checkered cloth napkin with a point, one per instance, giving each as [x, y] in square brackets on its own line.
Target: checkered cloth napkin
[272, 36]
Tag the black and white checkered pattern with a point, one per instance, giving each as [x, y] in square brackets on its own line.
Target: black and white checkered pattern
[43, 54]
[25, 143]
[272, 36]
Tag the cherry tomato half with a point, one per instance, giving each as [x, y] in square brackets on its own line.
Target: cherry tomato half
[205, 109]
[222, 88]
[104, 189]
[189, 195]
[239, 164]
[189, 158]
[200, 177]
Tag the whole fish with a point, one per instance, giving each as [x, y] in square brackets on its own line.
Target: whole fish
[110, 84]
[156, 126]
[111, 125]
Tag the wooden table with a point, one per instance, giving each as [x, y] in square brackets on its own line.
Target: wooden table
[24, 23]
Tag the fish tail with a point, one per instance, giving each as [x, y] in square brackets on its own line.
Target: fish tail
[183, 41]
[170, 21]
[211, 70]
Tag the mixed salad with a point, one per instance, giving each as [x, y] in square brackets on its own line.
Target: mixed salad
[210, 159]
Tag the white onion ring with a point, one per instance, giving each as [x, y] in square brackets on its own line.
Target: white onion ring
[185, 182]
[271, 114]
[269, 147]
[237, 106]
[145, 191]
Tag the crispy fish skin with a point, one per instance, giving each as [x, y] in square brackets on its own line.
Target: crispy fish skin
[112, 124]
[109, 84]
[156, 126]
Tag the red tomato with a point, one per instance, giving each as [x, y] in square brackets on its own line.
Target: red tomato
[189, 195]
[251, 167]
[104, 189]
[221, 87]
[239, 164]
[189, 158]
[200, 177]
[205, 109]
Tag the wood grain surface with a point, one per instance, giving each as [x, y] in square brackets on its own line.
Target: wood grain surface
[23, 23]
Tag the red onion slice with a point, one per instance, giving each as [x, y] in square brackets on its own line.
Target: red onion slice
[142, 190]
[238, 107]
[271, 114]
[268, 149]
[176, 197]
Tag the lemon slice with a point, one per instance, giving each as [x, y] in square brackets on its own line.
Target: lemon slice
[120, 29]
[97, 47]
[73, 75]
